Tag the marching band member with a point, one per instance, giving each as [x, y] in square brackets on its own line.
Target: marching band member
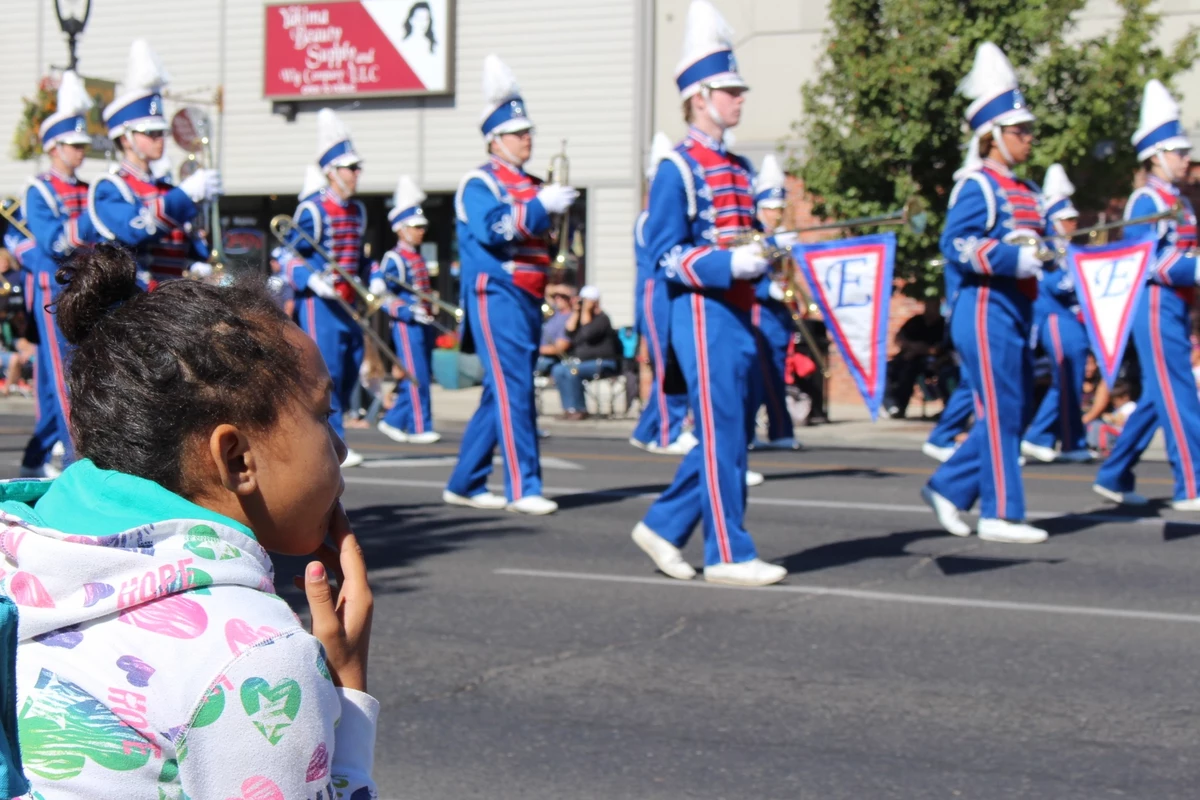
[503, 218]
[132, 206]
[333, 218]
[410, 419]
[54, 207]
[990, 324]
[660, 426]
[1161, 326]
[702, 196]
[773, 325]
[1059, 417]
[36, 461]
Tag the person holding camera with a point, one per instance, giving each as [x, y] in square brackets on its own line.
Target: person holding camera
[593, 352]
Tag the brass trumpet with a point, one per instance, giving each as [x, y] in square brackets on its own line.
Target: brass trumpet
[191, 129]
[559, 174]
[281, 226]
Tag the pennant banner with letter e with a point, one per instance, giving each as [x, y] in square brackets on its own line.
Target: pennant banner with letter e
[851, 280]
[1109, 279]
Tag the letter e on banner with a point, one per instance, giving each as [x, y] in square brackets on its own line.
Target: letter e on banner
[1109, 280]
[852, 284]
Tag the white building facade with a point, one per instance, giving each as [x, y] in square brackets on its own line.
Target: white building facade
[599, 75]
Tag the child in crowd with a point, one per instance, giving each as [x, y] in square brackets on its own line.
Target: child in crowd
[1107, 415]
[155, 659]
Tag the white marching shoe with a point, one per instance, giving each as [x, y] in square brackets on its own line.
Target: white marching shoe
[680, 447]
[937, 453]
[1120, 498]
[58, 450]
[754, 478]
[1047, 455]
[1190, 504]
[946, 512]
[392, 432]
[786, 443]
[665, 555]
[1001, 530]
[353, 459]
[428, 437]
[754, 572]
[686, 441]
[534, 505]
[44, 471]
[485, 500]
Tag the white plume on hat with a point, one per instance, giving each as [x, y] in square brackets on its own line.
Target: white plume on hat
[408, 194]
[314, 181]
[1057, 185]
[499, 82]
[73, 98]
[145, 72]
[706, 32]
[660, 147]
[992, 75]
[973, 161]
[1158, 109]
[330, 133]
[770, 175]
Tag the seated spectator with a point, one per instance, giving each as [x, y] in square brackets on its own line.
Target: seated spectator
[594, 352]
[17, 354]
[920, 342]
[555, 341]
[1106, 418]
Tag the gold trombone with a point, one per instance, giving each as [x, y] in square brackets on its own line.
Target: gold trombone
[8, 210]
[191, 129]
[281, 226]
[1050, 248]
[559, 174]
[912, 215]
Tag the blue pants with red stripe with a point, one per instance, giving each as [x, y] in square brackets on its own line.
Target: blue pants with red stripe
[991, 332]
[52, 354]
[714, 345]
[506, 325]
[956, 416]
[45, 431]
[412, 412]
[1161, 334]
[662, 416]
[340, 341]
[772, 337]
[1059, 417]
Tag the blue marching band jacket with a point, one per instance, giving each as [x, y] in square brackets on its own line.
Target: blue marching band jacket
[403, 263]
[338, 227]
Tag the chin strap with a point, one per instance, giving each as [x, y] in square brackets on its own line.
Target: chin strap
[334, 178]
[130, 146]
[998, 138]
[508, 156]
[1162, 164]
[706, 93]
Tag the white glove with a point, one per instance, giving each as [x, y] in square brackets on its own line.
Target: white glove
[201, 185]
[321, 287]
[748, 262]
[1028, 263]
[200, 269]
[776, 292]
[421, 316]
[557, 199]
[785, 239]
[378, 287]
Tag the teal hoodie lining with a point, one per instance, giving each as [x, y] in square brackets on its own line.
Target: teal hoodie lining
[90, 501]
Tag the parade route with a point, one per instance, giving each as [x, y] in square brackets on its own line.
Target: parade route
[519, 657]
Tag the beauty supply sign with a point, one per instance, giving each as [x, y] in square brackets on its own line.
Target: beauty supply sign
[358, 48]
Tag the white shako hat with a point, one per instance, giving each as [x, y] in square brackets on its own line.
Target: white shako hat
[707, 59]
[406, 205]
[334, 148]
[1057, 190]
[503, 107]
[770, 186]
[68, 123]
[996, 100]
[314, 181]
[139, 107]
[660, 146]
[1159, 128]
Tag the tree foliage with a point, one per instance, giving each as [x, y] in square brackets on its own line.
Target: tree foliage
[883, 120]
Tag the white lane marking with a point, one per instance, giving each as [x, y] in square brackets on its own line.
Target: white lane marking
[866, 594]
[548, 462]
[785, 502]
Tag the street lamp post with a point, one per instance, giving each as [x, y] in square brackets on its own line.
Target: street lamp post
[72, 18]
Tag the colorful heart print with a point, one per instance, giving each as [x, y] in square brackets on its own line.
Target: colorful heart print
[241, 637]
[212, 707]
[259, 788]
[67, 638]
[318, 765]
[27, 590]
[272, 709]
[204, 542]
[137, 672]
[95, 592]
[173, 615]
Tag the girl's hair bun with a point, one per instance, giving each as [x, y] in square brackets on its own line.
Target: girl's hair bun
[98, 280]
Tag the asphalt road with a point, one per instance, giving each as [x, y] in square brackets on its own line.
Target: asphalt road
[544, 658]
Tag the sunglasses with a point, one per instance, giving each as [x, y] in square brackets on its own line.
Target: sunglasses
[1025, 131]
[153, 134]
[353, 167]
